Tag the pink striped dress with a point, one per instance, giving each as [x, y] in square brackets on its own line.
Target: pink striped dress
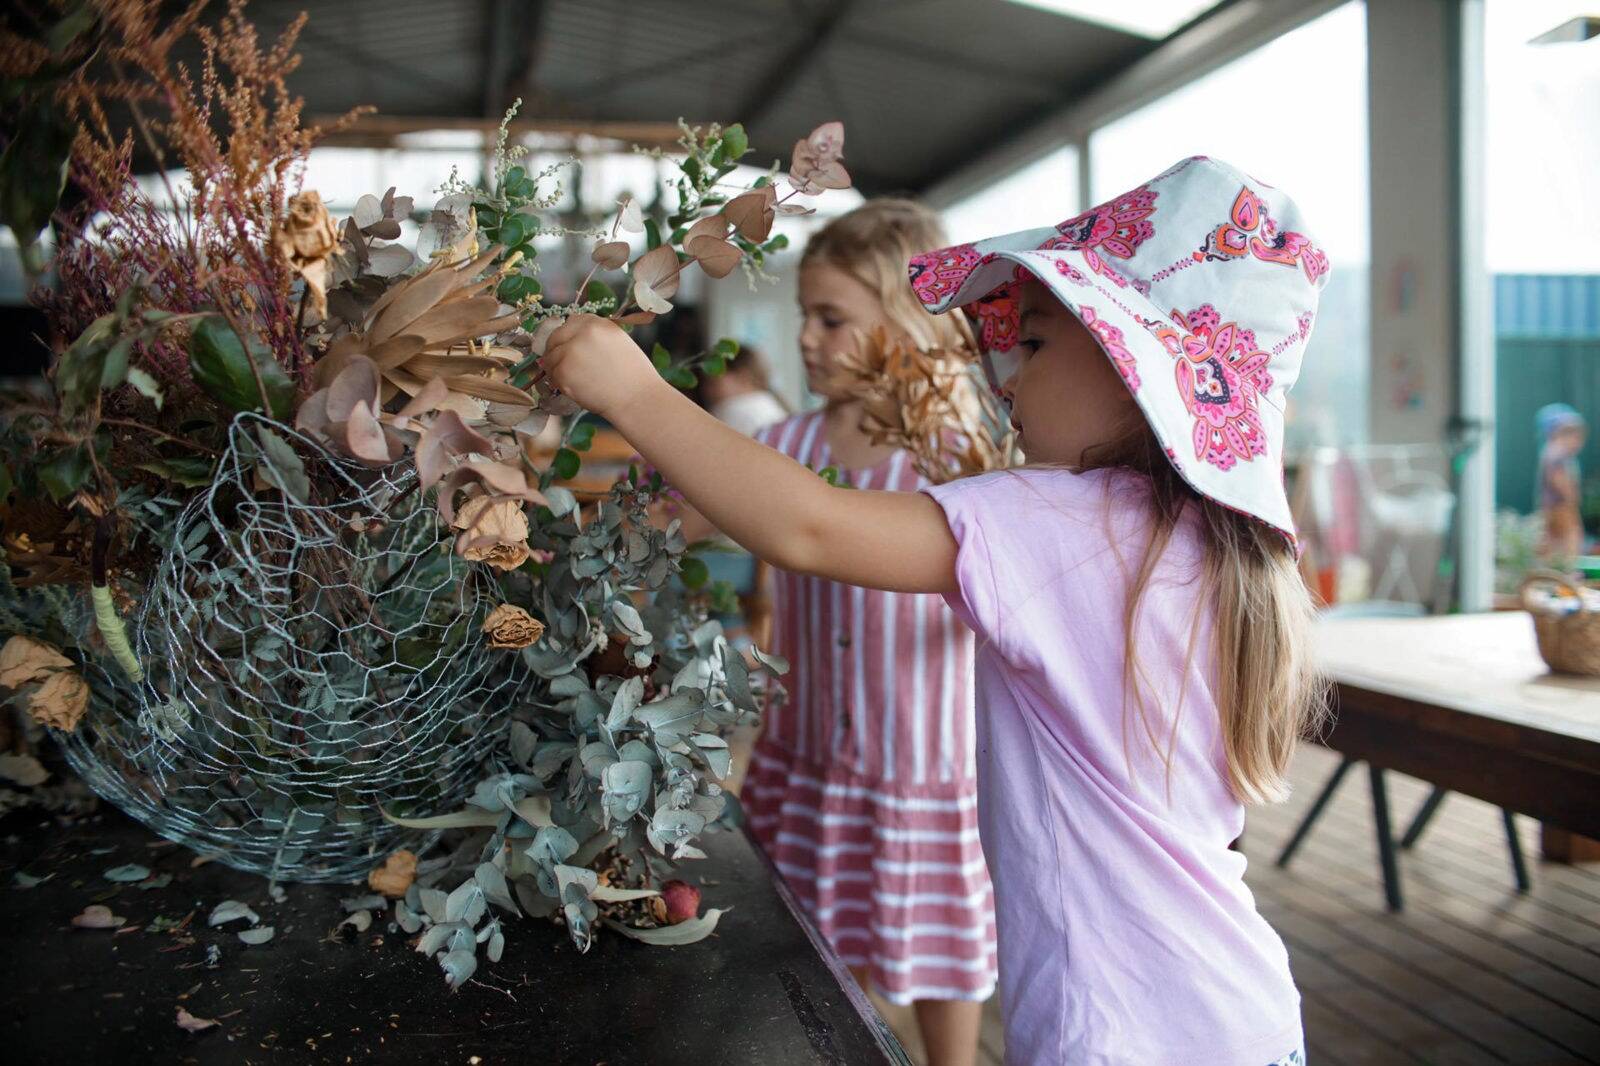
[862, 787]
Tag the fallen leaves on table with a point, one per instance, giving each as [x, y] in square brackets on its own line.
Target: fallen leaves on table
[230, 910]
[395, 875]
[127, 874]
[98, 916]
[23, 770]
[190, 1024]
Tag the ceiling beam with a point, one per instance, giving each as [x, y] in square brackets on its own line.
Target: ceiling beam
[786, 70]
[511, 36]
[384, 131]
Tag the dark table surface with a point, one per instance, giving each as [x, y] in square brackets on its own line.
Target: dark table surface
[763, 989]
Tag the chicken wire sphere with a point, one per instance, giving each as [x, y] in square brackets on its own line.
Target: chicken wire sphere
[306, 665]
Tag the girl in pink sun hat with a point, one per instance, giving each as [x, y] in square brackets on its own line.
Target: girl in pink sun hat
[1143, 667]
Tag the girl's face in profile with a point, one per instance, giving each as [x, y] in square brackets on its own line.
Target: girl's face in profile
[1065, 395]
[836, 310]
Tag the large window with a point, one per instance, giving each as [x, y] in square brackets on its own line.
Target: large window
[1542, 241]
[1294, 114]
[1040, 194]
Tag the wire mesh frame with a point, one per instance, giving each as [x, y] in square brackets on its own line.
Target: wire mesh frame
[307, 665]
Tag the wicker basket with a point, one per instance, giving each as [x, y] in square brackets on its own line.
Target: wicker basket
[1568, 641]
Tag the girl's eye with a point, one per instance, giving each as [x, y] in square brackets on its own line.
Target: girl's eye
[832, 323]
[1028, 347]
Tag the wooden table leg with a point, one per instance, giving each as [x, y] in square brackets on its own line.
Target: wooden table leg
[1386, 849]
[1561, 845]
[1315, 812]
[1519, 865]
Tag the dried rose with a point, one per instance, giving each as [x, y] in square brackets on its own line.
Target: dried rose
[494, 530]
[509, 626]
[303, 240]
[24, 660]
[682, 901]
[61, 701]
[395, 875]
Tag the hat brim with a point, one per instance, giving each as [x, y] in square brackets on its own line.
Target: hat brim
[1225, 413]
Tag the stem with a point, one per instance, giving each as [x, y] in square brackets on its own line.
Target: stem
[129, 423]
[244, 345]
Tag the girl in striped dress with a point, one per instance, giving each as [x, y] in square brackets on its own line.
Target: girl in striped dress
[862, 787]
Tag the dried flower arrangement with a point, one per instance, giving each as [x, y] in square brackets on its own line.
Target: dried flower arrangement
[932, 402]
[332, 589]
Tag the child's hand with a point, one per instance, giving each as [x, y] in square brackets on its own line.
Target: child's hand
[599, 366]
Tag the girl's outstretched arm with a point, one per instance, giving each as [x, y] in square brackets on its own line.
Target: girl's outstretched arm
[765, 501]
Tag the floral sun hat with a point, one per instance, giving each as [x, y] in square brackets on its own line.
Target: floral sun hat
[1200, 285]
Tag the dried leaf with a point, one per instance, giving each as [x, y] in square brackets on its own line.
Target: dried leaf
[230, 910]
[24, 770]
[24, 660]
[629, 216]
[127, 874]
[510, 626]
[259, 935]
[395, 875]
[97, 916]
[470, 818]
[361, 921]
[649, 300]
[753, 213]
[445, 438]
[611, 254]
[658, 269]
[716, 256]
[686, 932]
[190, 1024]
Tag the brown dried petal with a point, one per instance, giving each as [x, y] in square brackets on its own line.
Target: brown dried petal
[444, 438]
[716, 256]
[658, 268]
[190, 1024]
[395, 875]
[509, 626]
[494, 530]
[99, 916]
[24, 660]
[60, 701]
[753, 213]
[611, 254]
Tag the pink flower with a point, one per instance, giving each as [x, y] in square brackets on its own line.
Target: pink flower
[935, 276]
[1111, 339]
[1221, 373]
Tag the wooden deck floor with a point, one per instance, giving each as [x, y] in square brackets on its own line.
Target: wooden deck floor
[1470, 973]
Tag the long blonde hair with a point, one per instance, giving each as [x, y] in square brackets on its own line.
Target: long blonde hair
[873, 244]
[1267, 688]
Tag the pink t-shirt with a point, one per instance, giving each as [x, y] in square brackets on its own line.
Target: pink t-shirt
[1127, 935]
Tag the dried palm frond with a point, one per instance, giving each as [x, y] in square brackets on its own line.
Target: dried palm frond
[424, 327]
[930, 402]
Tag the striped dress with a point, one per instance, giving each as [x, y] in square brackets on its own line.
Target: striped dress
[862, 787]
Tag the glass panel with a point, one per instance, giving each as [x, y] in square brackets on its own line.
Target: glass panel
[1040, 194]
[1542, 246]
[1293, 113]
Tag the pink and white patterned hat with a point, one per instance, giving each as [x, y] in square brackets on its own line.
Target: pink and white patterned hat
[1200, 285]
